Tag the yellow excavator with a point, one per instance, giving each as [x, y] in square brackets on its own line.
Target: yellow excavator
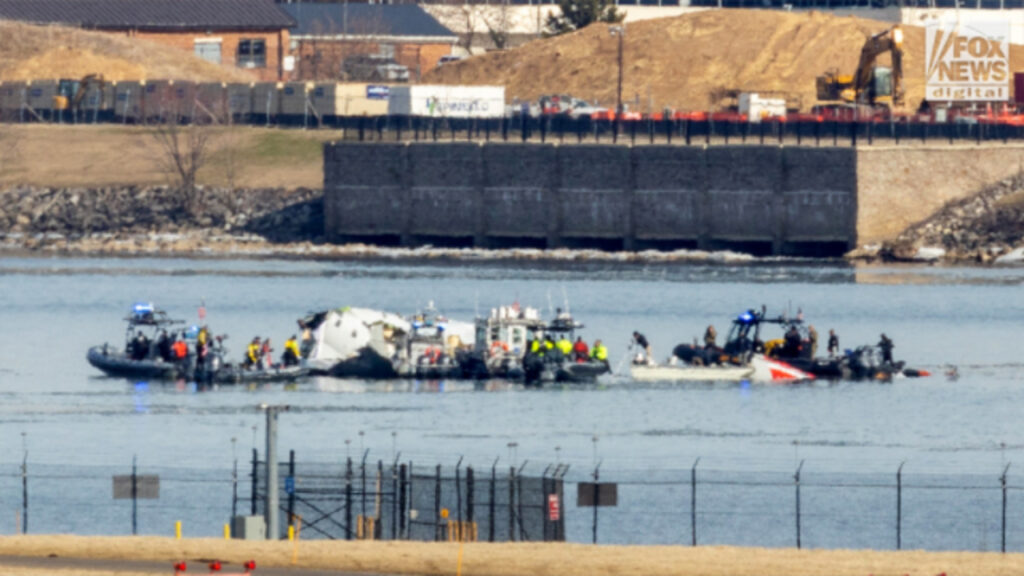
[71, 92]
[877, 87]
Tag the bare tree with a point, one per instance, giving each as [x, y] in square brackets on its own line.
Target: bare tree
[469, 15]
[185, 150]
[498, 26]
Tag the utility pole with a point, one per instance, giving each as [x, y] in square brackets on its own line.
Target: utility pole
[620, 32]
[273, 529]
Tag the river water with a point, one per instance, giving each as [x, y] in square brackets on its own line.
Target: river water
[74, 422]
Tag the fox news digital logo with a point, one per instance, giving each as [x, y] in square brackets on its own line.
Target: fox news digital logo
[967, 62]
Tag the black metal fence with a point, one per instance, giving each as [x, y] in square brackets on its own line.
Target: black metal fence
[807, 505]
[404, 501]
[566, 130]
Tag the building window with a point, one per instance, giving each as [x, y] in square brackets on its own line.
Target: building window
[252, 53]
[208, 50]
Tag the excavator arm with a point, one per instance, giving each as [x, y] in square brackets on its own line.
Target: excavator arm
[890, 40]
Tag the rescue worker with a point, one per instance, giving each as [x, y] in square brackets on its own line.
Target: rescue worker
[641, 341]
[564, 346]
[140, 347]
[179, 350]
[812, 339]
[580, 351]
[886, 346]
[791, 346]
[549, 348]
[267, 354]
[710, 335]
[537, 346]
[833, 343]
[291, 352]
[163, 346]
[252, 354]
[599, 353]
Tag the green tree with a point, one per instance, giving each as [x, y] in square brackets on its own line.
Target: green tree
[577, 14]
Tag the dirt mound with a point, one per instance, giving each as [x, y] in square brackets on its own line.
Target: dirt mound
[41, 52]
[683, 62]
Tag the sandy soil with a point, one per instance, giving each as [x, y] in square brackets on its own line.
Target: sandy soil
[524, 559]
[108, 155]
[46, 52]
[681, 62]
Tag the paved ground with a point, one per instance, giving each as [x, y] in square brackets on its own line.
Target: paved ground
[194, 566]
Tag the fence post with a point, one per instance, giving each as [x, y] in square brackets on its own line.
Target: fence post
[1002, 480]
[458, 490]
[135, 498]
[362, 491]
[402, 485]
[899, 506]
[348, 499]
[796, 478]
[519, 501]
[470, 479]
[597, 475]
[491, 503]
[686, 130]
[255, 479]
[291, 494]
[693, 501]
[853, 133]
[25, 493]
[394, 497]
[512, 504]
[437, 505]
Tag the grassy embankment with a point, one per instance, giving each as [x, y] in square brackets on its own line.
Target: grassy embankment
[111, 155]
[523, 559]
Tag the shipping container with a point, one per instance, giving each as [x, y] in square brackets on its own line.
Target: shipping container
[211, 104]
[350, 99]
[448, 101]
[170, 99]
[240, 100]
[39, 99]
[266, 100]
[294, 98]
[12, 100]
[130, 101]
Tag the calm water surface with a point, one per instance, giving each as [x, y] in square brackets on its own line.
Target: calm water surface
[72, 416]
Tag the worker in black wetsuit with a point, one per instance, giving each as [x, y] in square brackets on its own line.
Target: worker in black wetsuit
[791, 345]
[641, 342]
[833, 343]
[886, 346]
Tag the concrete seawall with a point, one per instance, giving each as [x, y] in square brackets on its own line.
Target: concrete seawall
[760, 199]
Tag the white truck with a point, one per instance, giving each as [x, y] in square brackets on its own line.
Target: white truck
[756, 108]
[447, 101]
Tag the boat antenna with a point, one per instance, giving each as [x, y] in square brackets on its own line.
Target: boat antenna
[565, 296]
[476, 303]
[551, 307]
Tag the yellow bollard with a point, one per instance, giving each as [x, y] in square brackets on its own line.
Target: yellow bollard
[291, 533]
[227, 531]
[177, 530]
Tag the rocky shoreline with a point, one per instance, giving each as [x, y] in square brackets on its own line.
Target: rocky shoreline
[265, 223]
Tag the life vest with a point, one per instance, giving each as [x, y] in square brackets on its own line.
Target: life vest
[536, 348]
[180, 349]
[293, 346]
[254, 353]
[599, 353]
[202, 337]
[564, 346]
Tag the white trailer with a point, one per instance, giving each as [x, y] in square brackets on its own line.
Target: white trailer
[447, 101]
[757, 108]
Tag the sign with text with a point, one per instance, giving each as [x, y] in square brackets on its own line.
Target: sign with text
[554, 508]
[147, 487]
[597, 494]
[967, 61]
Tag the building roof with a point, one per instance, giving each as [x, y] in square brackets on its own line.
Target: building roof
[149, 14]
[335, 20]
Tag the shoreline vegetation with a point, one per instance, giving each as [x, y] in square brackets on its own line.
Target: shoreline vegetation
[512, 559]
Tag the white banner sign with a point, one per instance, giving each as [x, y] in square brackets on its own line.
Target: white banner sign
[967, 61]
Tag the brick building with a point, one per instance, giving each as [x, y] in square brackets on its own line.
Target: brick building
[333, 41]
[250, 34]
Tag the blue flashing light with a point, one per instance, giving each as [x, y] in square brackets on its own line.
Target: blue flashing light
[746, 318]
[143, 308]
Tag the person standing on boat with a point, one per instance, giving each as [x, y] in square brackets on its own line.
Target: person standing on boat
[163, 346]
[710, 335]
[252, 354]
[266, 355]
[641, 342]
[179, 350]
[812, 339]
[833, 343]
[580, 351]
[140, 347]
[886, 346]
[307, 339]
[564, 346]
[291, 352]
[599, 353]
